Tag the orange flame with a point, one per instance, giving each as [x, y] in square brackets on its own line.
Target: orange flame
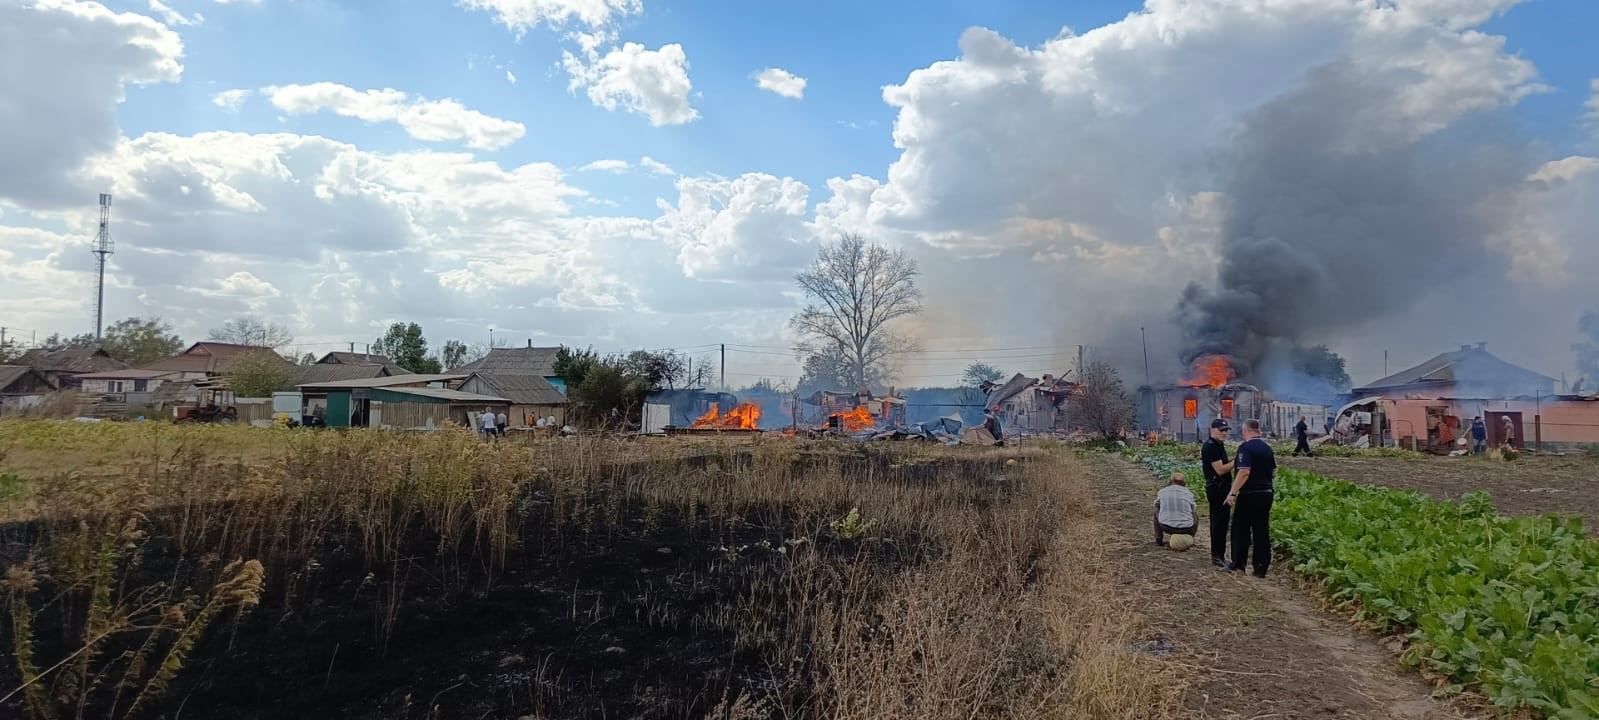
[853, 420]
[746, 416]
[1210, 371]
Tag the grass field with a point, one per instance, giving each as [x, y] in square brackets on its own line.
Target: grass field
[235, 572]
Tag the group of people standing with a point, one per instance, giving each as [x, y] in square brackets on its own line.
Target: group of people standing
[1240, 492]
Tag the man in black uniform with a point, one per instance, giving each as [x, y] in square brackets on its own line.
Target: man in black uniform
[1218, 474]
[1250, 498]
[1302, 435]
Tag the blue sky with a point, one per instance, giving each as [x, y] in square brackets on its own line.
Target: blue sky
[1086, 173]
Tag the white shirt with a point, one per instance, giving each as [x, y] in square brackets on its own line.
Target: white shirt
[1174, 506]
[488, 421]
[540, 423]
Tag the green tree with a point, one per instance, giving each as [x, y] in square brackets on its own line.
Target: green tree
[978, 373]
[308, 359]
[1322, 363]
[405, 345]
[259, 374]
[57, 341]
[855, 289]
[453, 354]
[140, 341]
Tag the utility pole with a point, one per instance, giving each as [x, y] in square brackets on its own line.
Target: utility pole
[1385, 363]
[103, 248]
[1145, 340]
[1079, 363]
[724, 366]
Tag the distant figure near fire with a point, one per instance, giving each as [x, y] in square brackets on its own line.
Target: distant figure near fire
[1302, 438]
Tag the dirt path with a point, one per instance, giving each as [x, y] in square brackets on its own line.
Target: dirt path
[1257, 648]
[1531, 486]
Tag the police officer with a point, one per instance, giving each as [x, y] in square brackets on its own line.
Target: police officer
[1218, 481]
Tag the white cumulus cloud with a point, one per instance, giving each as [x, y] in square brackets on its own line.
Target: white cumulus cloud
[430, 120]
[782, 82]
[653, 83]
[173, 17]
[613, 166]
[523, 15]
[231, 100]
[655, 166]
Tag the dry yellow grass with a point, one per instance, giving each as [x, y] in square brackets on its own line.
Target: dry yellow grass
[965, 586]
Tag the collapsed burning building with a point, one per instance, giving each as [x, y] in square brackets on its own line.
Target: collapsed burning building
[1026, 405]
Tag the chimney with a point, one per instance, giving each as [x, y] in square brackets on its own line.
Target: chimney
[1465, 348]
[1482, 346]
[530, 343]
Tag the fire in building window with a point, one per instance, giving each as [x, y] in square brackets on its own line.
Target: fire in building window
[1227, 407]
[1191, 408]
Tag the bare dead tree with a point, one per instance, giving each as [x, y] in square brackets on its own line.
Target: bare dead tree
[1102, 406]
[855, 289]
[251, 330]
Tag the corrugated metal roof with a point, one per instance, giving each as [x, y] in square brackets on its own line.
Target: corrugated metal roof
[381, 382]
[1447, 368]
[516, 361]
[522, 389]
[451, 395]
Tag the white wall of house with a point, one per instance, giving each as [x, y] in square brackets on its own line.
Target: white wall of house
[120, 387]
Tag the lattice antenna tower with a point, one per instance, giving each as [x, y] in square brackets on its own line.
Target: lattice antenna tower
[103, 247]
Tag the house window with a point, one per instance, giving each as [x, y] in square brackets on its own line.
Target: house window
[113, 386]
[1190, 408]
[1227, 407]
[141, 385]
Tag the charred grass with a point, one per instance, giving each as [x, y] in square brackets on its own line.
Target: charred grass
[388, 575]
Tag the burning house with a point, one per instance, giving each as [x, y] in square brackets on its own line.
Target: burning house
[1185, 409]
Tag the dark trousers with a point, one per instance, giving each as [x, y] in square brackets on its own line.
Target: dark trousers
[1162, 530]
[1252, 529]
[1220, 514]
[1303, 446]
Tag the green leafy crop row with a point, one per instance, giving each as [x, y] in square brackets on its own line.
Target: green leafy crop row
[1509, 604]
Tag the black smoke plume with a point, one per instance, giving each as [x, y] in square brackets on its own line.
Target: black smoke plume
[1340, 212]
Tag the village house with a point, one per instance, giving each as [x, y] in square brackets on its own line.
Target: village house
[134, 386]
[21, 387]
[1430, 406]
[1470, 372]
[205, 360]
[536, 361]
[532, 397]
[61, 367]
[355, 359]
[402, 401]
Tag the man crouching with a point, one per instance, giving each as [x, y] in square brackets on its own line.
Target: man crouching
[1175, 511]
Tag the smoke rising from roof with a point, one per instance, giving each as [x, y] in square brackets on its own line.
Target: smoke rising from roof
[1341, 212]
